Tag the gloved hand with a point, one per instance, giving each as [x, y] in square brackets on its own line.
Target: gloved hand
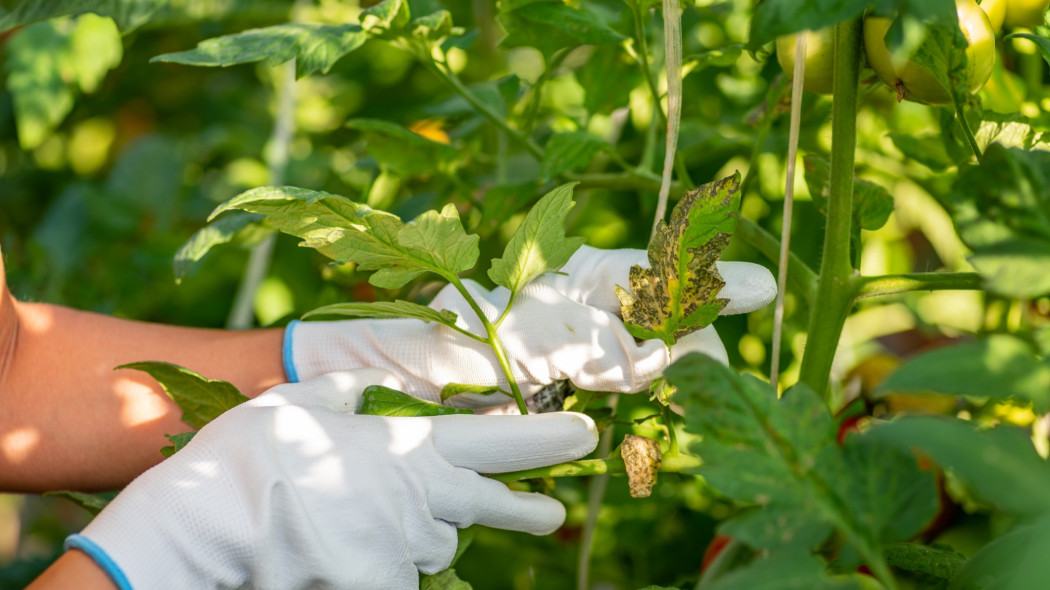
[562, 326]
[293, 490]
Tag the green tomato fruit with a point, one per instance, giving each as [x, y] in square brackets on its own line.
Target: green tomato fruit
[820, 61]
[1026, 13]
[916, 83]
[996, 11]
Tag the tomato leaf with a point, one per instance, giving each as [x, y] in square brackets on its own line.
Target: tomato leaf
[539, 245]
[383, 401]
[454, 389]
[943, 53]
[443, 580]
[1041, 41]
[1000, 464]
[678, 295]
[552, 25]
[872, 204]
[346, 231]
[178, 441]
[801, 482]
[315, 48]
[791, 570]
[386, 20]
[1014, 561]
[1001, 209]
[201, 399]
[127, 15]
[386, 310]
[402, 151]
[93, 503]
[937, 561]
[998, 367]
[569, 151]
[221, 231]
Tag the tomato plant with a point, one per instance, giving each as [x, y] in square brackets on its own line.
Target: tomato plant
[916, 285]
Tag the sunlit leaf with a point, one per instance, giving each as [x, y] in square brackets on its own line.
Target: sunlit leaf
[678, 295]
[315, 48]
[386, 19]
[201, 399]
[453, 389]
[221, 231]
[386, 310]
[36, 59]
[539, 245]
[383, 401]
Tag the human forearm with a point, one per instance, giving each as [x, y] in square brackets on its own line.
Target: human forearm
[73, 570]
[69, 420]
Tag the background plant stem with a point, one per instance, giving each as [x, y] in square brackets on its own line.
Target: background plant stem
[929, 281]
[835, 285]
[612, 465]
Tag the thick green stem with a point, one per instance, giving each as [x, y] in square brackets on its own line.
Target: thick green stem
[835, 285]
[928, 281]
[494, 342]
[612, 465]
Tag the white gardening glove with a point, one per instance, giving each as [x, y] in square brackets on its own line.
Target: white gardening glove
[562, 326]
[293, 490]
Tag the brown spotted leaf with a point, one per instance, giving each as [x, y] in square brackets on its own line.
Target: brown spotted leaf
[643, 458]
[678, 294]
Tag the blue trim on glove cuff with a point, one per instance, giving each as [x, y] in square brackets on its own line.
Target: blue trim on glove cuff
[100, 557]
[286, 353]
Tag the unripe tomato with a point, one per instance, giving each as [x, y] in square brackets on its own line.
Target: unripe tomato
[1026, 13]
[820, 61]
[996, 11]
[915, 82]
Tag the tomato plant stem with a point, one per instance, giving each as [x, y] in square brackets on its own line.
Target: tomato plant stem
[492, 338]
[967, 132]
[612, 465]
[835, 285]
[928, 281]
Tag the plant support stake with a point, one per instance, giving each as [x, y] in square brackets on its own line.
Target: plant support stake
[673, 58]
[797, 87]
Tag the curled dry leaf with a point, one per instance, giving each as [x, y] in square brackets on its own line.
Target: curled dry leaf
[642, 457]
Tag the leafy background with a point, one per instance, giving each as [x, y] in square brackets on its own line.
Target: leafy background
[108, 165]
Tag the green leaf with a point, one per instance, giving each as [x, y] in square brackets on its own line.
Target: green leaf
[872, 204]
[1012, 131]
[386, 310]
[219, 232]
[790, 570]
[443, 580]
[383, 401]
[723, 57]
[938, 561]
[454, 389]
[539, 245]
[569, 151]
[774, 18]
[998, 367]
[1000, 464]
[93, 503]
[928, 150]
[679, 293]
[433, 27]
[1001, 209]
[1014, 561]
[802, 482]
[201, 400]
[387, 19]
[178, 442]
[1043, 43]
[346, 231]
[402, 151]
[96, 49]
[128, 14]
[314, 47]
[943, 54]
[550, 26]
[607, 79]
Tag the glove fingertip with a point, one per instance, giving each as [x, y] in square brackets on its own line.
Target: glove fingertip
[748, 287]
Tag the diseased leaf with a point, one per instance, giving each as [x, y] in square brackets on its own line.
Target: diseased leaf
[802, 483]
[383, 401]
[1001, 209]
[315, 48]
[93, 503]
[539, 245]
[201, 400]
[569, 151]
[678, 295]
[221, 231]
[402, 151]
[178, 441]
[938, 561]
[386, 310]
[642, 458]
[872, 204]
[454, 389]
[1000, 464]
[346, 231]
[550, 26]
[998, 367]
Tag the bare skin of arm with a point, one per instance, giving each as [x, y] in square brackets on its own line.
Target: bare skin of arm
[69, 421]
[73, 570]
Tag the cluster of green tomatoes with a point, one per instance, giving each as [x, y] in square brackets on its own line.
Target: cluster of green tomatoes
[979, 23]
